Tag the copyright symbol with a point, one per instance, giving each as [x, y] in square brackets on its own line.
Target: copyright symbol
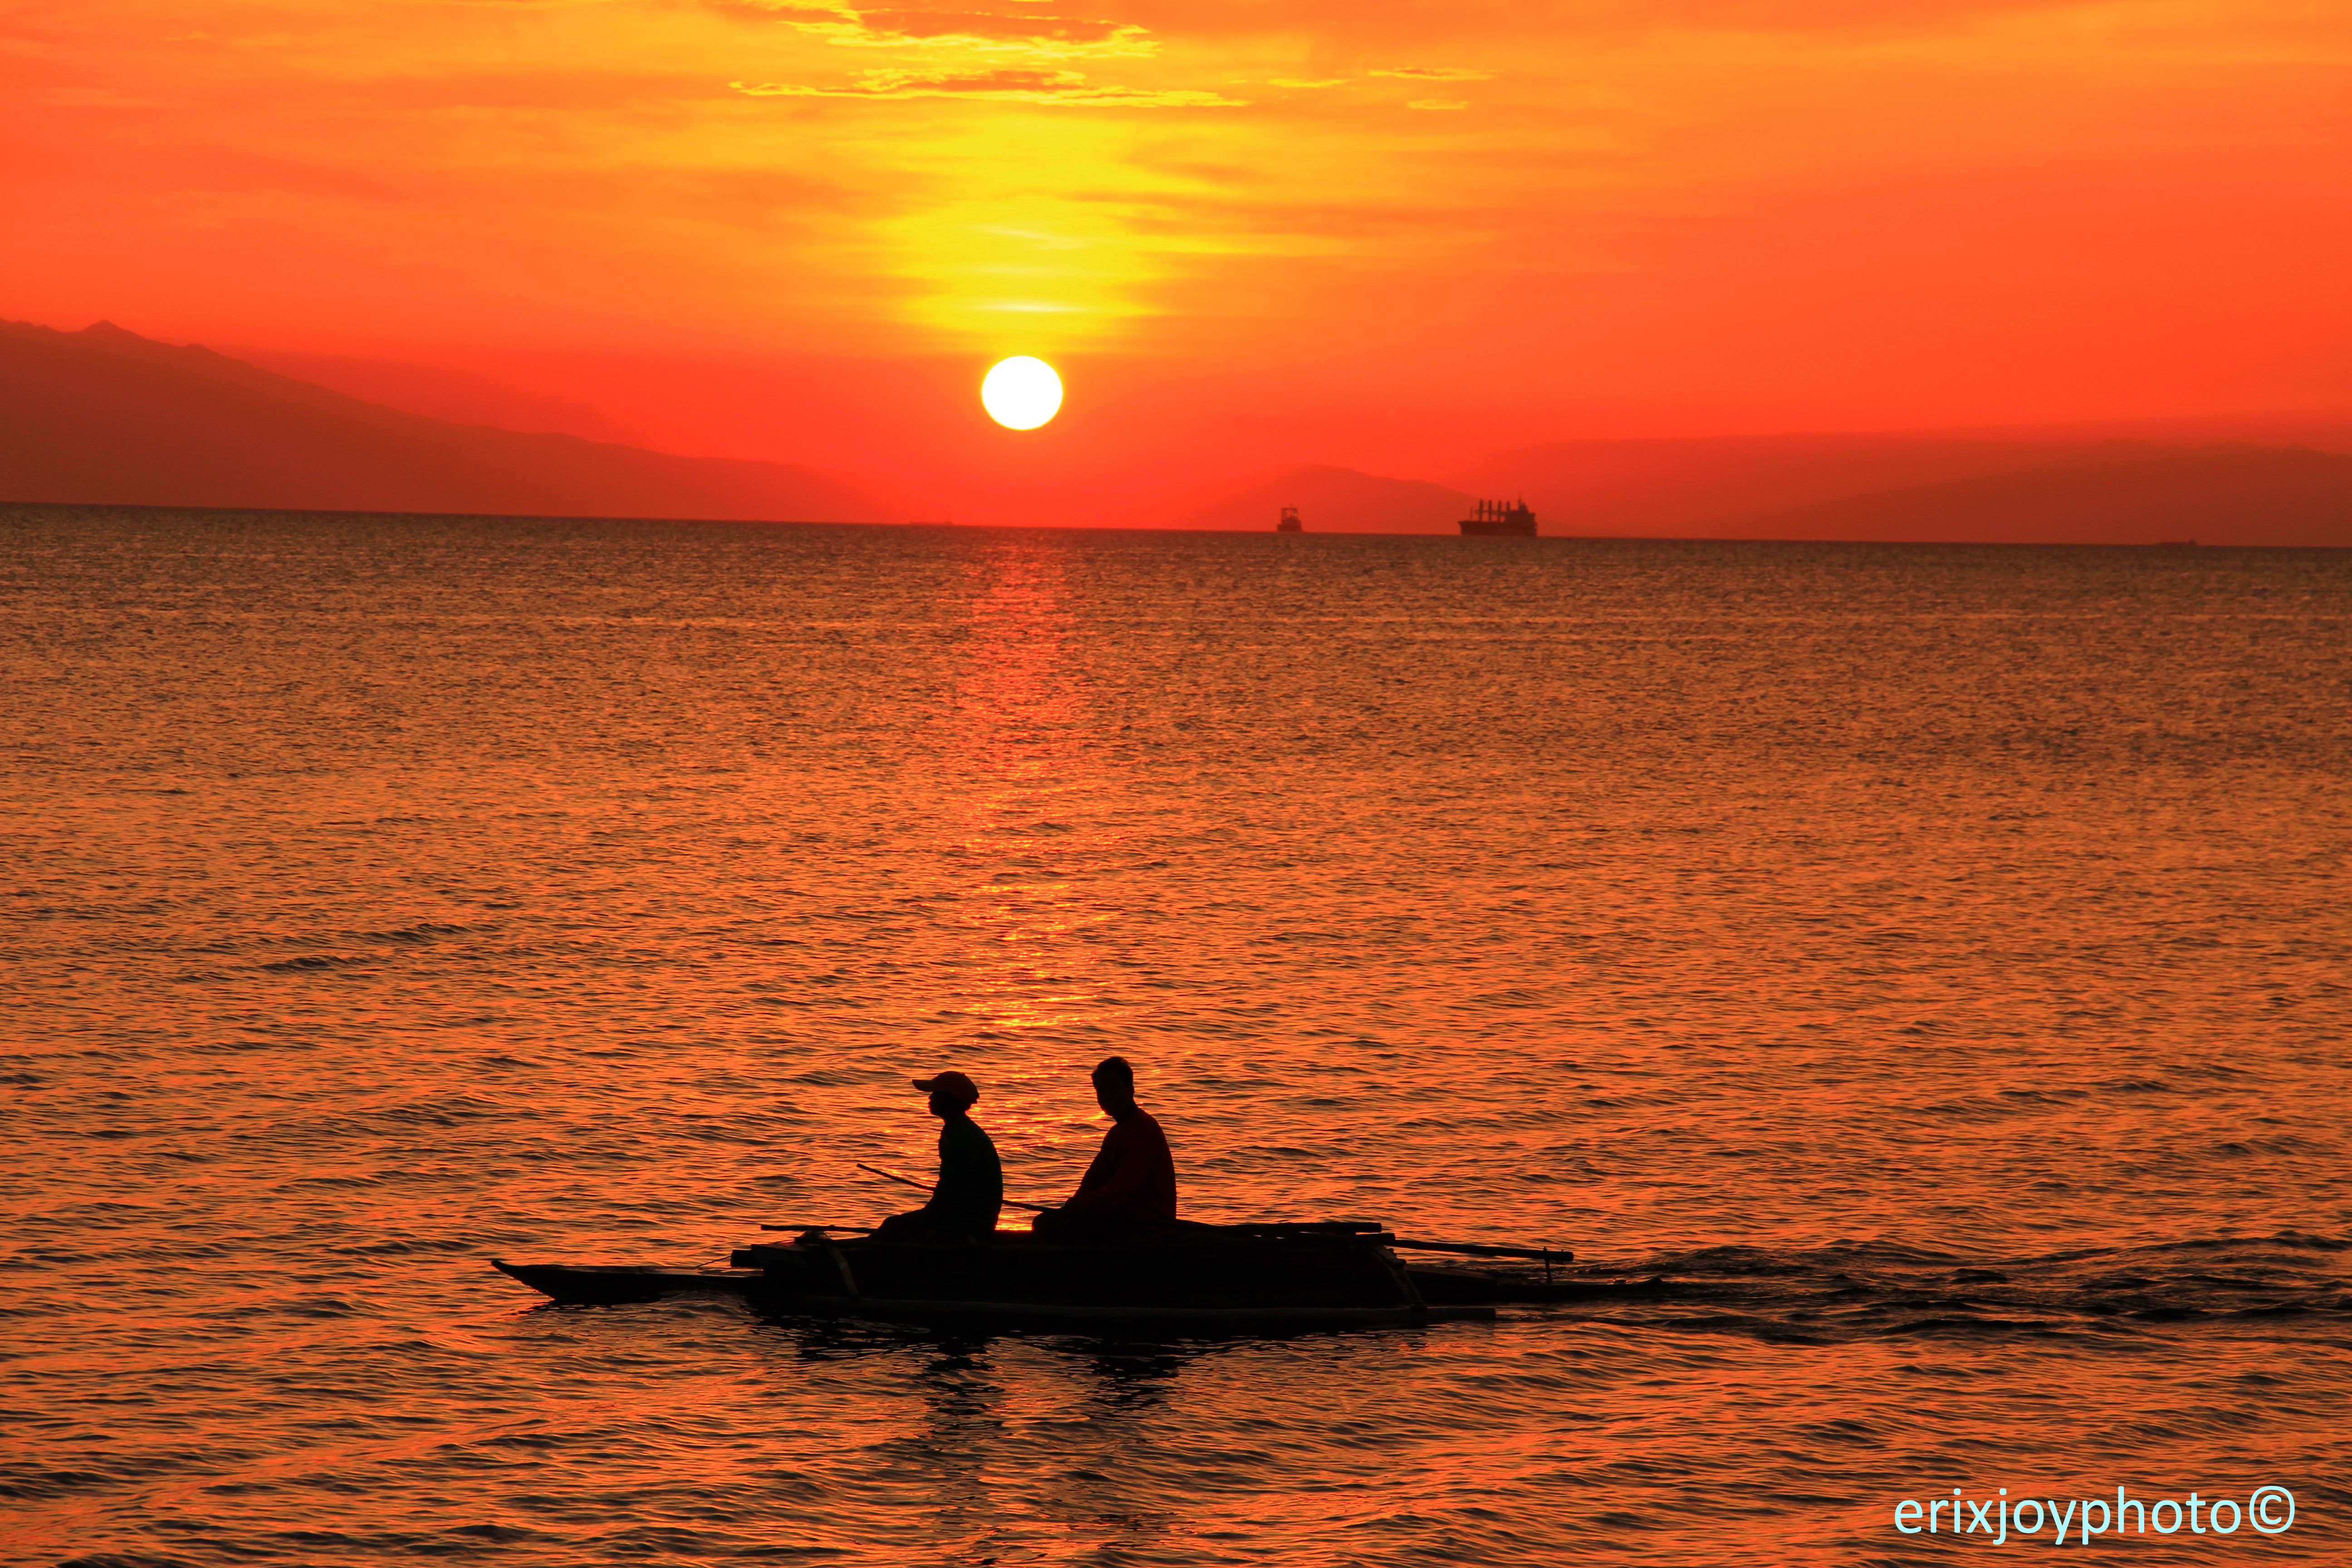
[2259, 1506]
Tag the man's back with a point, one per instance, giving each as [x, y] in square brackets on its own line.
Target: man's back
[970, 1189]
[1133, 1177]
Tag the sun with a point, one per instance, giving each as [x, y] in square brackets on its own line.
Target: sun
[1021, 392]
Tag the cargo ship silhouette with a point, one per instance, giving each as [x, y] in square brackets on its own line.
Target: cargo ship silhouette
[1494, 518]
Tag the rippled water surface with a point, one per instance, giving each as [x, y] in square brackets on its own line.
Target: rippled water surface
[1932, 965]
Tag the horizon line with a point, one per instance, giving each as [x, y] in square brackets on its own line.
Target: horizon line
[1204, 532]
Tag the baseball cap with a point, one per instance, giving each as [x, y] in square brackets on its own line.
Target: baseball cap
[954, 1085]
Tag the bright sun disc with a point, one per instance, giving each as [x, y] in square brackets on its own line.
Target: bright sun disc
[1021, 392]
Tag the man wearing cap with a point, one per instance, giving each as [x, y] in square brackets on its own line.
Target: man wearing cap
[1131, 1185]
[970, 1187]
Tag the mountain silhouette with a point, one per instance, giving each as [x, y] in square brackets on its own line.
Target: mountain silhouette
[106, 415]
[2117, 492]
[2049, 489]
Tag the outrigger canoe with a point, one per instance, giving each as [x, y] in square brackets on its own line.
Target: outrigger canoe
[1194, 1279]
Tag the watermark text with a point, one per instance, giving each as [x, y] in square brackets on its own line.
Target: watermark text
[1998, 1520]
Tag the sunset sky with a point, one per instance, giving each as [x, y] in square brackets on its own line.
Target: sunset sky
[1359, 231]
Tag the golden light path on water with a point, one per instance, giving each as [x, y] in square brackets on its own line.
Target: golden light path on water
[1024, 737]
[1929, 961]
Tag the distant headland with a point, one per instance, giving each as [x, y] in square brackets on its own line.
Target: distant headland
[105, 416]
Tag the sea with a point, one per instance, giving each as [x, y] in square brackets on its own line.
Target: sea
[1913, 980]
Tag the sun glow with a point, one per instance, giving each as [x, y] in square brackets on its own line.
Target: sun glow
[1022, 393]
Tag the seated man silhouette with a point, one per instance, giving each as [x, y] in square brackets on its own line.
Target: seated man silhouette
[971, 1186]
[1131, 1188]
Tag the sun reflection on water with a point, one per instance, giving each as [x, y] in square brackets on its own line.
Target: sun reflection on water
[1031, 796]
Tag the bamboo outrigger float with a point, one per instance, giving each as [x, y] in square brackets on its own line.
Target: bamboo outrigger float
[1189, 1279]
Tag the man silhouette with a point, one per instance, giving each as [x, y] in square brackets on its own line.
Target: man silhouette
[971, 1184]
[1131, 1185]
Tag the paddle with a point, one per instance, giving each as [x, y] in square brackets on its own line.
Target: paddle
[910, 1182]
[1484, 1249]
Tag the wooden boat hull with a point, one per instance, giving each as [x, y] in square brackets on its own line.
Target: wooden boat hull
[605, 1285]
[1201, 1286]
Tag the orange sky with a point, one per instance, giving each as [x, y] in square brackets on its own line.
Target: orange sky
[1363, 231]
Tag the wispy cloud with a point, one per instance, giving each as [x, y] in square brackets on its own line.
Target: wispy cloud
[1435, 73]
[1297, 83]
[1046, 37]
[1438, 103]
[1018, 86]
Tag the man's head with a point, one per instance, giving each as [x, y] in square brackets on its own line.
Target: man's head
[951, 1093]
[1115, 1085]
